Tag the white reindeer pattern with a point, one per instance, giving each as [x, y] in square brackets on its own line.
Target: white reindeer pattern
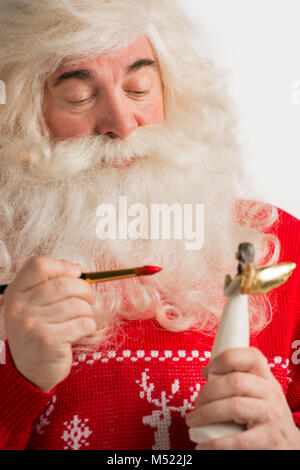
[161, 418]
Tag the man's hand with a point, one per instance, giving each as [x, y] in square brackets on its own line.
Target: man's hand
[245, 391]
[47, 308]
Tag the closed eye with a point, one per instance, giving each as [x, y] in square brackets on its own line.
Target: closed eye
[86, 100]
[82, 101]
[145, 92]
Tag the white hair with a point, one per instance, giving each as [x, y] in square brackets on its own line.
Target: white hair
[50, 190]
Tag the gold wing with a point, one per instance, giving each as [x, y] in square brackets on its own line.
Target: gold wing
[257, 281]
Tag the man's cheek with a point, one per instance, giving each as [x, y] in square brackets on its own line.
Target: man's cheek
[63, 125]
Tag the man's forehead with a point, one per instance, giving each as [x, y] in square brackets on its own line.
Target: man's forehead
[141, 48]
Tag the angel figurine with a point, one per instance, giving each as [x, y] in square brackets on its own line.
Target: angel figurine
[233, 331]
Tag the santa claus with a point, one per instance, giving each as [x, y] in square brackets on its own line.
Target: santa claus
[107, 100]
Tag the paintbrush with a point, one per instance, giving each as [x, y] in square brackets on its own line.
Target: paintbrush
[104, 276]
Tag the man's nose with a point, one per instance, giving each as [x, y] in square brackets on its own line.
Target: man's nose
[115, 118]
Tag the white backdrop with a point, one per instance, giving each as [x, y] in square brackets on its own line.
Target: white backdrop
[257, 42]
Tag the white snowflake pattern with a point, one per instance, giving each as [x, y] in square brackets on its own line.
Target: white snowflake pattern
[77, 433]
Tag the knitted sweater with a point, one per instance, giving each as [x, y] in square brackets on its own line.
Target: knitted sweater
[137, 395]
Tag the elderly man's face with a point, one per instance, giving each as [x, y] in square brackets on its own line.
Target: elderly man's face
[110, 95]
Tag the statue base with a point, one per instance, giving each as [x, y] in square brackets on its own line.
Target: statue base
[214, 431]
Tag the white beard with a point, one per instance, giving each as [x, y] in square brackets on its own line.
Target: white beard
[49, 203]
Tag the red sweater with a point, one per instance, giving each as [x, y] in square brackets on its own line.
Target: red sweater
[136, 396]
